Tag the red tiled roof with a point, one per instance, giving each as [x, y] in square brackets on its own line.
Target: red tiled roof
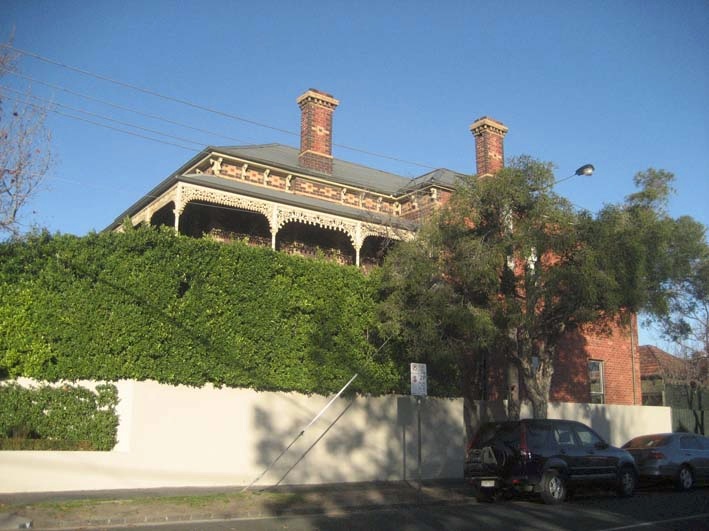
[655, 362]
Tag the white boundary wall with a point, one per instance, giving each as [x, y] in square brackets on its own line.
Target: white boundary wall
[173, 436]
[178, 436]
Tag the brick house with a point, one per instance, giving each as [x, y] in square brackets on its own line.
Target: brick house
[305, 201]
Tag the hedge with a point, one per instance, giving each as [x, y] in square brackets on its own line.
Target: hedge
[58, 418]
[149, 304]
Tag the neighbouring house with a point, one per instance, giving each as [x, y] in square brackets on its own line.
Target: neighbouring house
[679, 383]
[305, 201]
[668, 380]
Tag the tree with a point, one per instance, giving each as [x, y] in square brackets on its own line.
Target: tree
[521, 267]
[687, 319]
[24, 151]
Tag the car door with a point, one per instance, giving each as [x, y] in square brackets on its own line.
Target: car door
[597, 462]
[690, 449]
[705, 458]
[569, 451]
[695, 449]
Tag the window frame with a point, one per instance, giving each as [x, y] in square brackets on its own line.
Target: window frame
[601, 380]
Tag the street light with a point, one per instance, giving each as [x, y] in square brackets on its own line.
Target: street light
[586, 170]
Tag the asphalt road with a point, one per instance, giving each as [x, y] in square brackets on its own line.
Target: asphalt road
[647, 511]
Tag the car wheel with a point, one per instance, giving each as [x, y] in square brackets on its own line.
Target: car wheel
[685, 478]
[627, 480]
[485, 495]
[553, 487]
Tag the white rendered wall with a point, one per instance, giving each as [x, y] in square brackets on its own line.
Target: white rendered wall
[178, 436]
[183, 436]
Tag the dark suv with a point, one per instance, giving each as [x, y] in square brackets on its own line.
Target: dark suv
[550, 457]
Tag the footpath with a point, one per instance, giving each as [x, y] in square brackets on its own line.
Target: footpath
[87, 509]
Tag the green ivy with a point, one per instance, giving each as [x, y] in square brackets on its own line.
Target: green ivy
[148, 304]
[59, 418]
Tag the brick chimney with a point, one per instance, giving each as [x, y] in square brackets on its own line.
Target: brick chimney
[316, 130]
[489, 145]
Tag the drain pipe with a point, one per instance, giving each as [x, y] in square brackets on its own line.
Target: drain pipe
[633, 348]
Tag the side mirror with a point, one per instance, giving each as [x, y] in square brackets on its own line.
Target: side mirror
[601, 445]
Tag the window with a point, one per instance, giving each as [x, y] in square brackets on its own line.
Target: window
[563, 435]
[595, 380]
[690, 443]
[587, 436]
[538, 434]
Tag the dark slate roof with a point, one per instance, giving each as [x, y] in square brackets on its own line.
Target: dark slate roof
[441, 176]
[347, 173]
[286, 157]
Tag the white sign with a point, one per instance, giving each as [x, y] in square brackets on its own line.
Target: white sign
[418, 379]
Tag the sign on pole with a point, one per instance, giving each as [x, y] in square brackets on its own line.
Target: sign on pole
[418, 379]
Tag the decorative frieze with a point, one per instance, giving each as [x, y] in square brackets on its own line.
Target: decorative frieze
[217, 166]
[278, 215]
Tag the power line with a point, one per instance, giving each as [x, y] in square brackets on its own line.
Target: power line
[145, 90]
[41, 108]
[122, 107]
[198, 106]
[102, 117]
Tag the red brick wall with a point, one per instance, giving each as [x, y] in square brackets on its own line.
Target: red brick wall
[570, 381]
[616, 348]
[489, 153]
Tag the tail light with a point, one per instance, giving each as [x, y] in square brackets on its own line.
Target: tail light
[655, 454]
[523, 449]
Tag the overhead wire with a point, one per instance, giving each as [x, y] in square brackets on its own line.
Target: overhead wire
[198, 106]
[122, 107]
[102, 117]
[40, 107]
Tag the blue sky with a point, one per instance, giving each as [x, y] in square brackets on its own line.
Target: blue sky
[621, 84]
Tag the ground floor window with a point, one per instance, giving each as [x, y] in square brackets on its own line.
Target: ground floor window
[595, 380]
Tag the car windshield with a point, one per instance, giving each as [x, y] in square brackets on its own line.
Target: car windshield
[647, 441]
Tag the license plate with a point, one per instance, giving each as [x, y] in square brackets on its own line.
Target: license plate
[487, 483]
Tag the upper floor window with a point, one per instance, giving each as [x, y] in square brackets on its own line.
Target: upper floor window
[595, 380]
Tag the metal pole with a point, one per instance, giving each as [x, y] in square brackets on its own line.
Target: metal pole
[418, 420]
[300, 434]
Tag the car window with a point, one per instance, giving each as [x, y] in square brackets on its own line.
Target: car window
[538, 434]
[563, 435]
[505, 432]
[508, 434]
[647, 441]
[586, 436]
[689, 442]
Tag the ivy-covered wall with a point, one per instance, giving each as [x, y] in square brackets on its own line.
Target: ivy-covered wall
[150, 304]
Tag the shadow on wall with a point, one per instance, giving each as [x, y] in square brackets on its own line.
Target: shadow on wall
[570, 379]
[357, 439]
[617, 424]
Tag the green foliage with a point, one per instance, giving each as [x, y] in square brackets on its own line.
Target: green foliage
[150, 304]
[58, 418]
[509, 265]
